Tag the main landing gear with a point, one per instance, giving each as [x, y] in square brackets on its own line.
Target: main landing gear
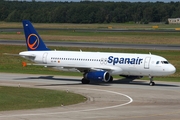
[111, 79]
[151, 81]
[85, 81]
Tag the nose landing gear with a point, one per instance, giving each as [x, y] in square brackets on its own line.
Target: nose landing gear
[151, 81]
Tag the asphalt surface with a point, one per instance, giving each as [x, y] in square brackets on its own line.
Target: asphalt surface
[97, 45]
[116, 101]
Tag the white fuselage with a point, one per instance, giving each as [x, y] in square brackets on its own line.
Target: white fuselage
[115, 63]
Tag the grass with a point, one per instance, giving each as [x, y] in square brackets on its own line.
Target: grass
[12, 64]
[16, 98]
[70, 33]
[91, 26]
[109, 37]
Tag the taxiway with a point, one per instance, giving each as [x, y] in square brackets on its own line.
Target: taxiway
[116, 101]
[98, 45]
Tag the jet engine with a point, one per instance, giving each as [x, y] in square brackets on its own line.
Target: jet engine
[98, 75]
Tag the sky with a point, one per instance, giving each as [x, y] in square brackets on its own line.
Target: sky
[112, 0]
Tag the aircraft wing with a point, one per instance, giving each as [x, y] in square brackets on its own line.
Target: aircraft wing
[83, 68]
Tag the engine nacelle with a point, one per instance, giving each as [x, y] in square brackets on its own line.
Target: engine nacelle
[98, 75]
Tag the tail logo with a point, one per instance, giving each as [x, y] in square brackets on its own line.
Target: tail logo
[33, 41]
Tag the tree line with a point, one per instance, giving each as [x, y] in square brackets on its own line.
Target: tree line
[88, 12]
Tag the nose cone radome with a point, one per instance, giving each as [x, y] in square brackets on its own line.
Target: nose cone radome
[171, 69]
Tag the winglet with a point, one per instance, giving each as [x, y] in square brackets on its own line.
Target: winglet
[33, 40]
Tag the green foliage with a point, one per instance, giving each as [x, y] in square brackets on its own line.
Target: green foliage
[87, 11]
[16, 98]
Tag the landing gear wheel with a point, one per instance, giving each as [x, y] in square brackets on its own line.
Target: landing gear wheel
[85, 81]
[152, 83]
[111, 79]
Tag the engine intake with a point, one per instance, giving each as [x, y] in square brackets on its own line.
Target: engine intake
[98, 75]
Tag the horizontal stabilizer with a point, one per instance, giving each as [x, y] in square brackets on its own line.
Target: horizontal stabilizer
[10, 54]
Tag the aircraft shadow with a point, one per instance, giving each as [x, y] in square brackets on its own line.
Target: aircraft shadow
[119, 81]
[63, 79]
[52, 78]
[48, 78]
[139, 82]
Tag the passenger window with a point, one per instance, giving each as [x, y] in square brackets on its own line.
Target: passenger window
[157, 62]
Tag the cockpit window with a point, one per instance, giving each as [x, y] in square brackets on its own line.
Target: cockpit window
[157, 62]
[162, 62]
[165, 62]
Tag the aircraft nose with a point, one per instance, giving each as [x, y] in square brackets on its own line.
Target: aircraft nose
[171, 69]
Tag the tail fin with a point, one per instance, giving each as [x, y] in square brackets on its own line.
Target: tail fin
[33, 40]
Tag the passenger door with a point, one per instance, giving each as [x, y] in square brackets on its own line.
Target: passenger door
[147, 62]
[44, 59]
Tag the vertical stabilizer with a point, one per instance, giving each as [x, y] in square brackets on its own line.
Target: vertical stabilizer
[33, 40]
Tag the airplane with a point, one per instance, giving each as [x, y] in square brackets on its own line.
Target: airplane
[95, 66]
